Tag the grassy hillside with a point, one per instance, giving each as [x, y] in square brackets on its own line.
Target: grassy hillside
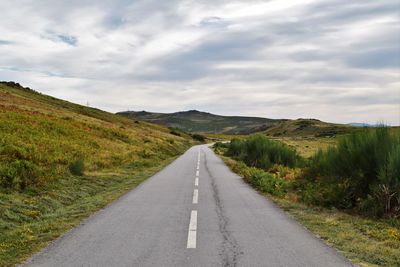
[308, 128]
[44, 141]
[196, 121]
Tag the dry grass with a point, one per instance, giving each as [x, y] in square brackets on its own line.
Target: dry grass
[50, 134]
[308, 146]
[365, 241]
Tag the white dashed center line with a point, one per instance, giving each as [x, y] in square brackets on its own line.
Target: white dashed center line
[191, 241]
[195, 196]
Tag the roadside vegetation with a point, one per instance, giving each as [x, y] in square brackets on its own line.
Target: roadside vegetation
[60, 162]
[362, 172]
[261, 152]
[348, 194]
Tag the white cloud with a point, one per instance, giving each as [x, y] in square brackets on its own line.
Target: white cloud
[332, 60]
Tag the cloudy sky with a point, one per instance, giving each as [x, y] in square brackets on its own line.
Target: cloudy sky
[336, 60]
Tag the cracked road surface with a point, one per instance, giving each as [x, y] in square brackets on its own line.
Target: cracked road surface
[195, 212]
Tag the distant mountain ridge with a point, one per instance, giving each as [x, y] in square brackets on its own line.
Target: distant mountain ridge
[198, 121]
[204, 122]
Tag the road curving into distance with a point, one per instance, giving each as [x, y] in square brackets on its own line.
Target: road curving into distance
[195, 212]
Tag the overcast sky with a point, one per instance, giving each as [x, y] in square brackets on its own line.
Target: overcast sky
[335, 60]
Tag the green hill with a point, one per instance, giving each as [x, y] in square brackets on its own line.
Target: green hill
[60, 161]
[307, 128]
[196, 121]
[51, 133]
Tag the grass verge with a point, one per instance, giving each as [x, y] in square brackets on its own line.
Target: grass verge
[30, 220]
[365, 241]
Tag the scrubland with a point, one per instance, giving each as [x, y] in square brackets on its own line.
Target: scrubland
[348, 193]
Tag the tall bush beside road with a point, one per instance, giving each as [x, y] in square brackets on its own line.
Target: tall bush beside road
[362, 171]
[259, 151]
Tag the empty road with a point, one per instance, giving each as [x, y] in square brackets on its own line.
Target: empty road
[195, 212]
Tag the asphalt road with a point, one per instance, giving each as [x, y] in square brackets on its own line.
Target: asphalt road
[189, 216]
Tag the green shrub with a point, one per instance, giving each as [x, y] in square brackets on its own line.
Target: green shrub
[221, 145]
[261, 180]
[370, 207]
[198, 137]
[13, 152]
[267, 182]
[77, 167]
[174, 132]
[321, 194]
[18, 174]
[220, 148]
[236, 149]
[363, 166]
[261, 152]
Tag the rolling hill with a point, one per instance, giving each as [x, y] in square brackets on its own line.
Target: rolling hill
[60, 162]
[51, 133]
[203, 122]
[197, 121]
[308, 127]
